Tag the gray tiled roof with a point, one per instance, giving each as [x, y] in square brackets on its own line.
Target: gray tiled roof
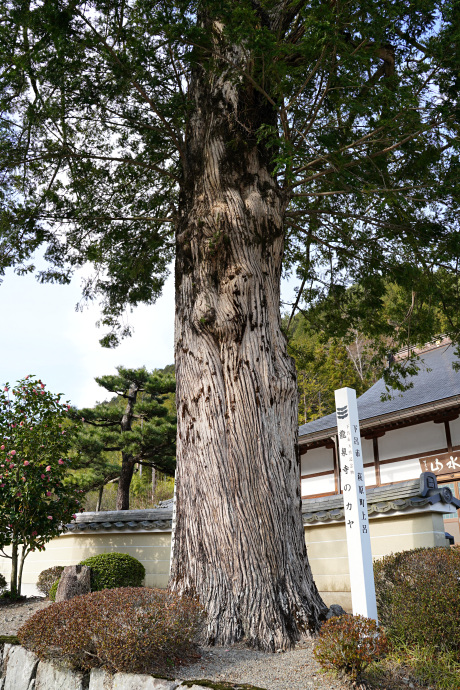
[123, 520]
[436, 380]
[382, 499]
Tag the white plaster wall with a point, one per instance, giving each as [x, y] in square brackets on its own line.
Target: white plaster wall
[367, 446]
[317, 460]
[455, 431]
[318, 485]
[411, 440]
[399, 471]
[369, 476]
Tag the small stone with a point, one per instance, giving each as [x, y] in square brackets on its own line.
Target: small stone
[132, 681]
[20, 668]
[51, 676]
[75, 580]
[335, 610]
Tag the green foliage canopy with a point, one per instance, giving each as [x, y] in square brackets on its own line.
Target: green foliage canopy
[362, 116]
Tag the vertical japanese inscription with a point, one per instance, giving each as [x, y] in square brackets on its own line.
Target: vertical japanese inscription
[355, 504]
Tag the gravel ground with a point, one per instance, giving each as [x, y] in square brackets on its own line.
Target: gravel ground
[12, 616]
[295, 670]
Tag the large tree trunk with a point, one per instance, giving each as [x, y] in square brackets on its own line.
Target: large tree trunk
[239, 542]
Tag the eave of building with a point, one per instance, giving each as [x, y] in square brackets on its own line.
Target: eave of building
[447, 407]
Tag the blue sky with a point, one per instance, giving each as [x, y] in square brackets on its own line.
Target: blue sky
[42, 334]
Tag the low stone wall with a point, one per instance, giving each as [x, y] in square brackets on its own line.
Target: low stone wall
[22, 670]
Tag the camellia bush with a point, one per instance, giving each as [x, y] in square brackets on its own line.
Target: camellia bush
[34, 442]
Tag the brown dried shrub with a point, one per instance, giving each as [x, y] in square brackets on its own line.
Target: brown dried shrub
[348, 644]
[129, 629]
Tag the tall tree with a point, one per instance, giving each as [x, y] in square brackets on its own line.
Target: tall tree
[236, 134]
[140, 427]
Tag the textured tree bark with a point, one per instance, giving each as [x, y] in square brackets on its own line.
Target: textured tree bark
[99, 499]
[14, 569]
[239, 535]
[127, 461]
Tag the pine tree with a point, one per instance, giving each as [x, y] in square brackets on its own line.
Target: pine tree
[137, 425]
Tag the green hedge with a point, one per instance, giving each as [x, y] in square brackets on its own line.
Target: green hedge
[418, 597]
[53, 590]
[110, 570]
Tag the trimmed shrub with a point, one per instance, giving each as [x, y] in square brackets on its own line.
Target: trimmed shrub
[130, 630]
[48, 577]
[418, 597]
[348, 644]
[109, 570]
[3, 583]
[53, 590]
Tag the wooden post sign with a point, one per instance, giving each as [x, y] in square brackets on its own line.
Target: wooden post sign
[355, 505]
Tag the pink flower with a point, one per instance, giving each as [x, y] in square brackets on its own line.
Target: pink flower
[21, 423]
[27, 377]
[12, 465]
[2, 447]
[43, 476]
[34, 533]
[12, 452]
[48, 469]
[26, 462]
[23, 479]
[6, 388]
[42, 385]
[62, 432]
[2, 485]
[82, 419]
[60, 462]
[50, 517]
[74, 517]
[43, 392]
[48, 493]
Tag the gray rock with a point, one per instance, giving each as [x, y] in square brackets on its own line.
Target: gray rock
[21, 666]
[51, 677]
[75, 580]
[131, 681]
[100, 680]
[335, 610]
